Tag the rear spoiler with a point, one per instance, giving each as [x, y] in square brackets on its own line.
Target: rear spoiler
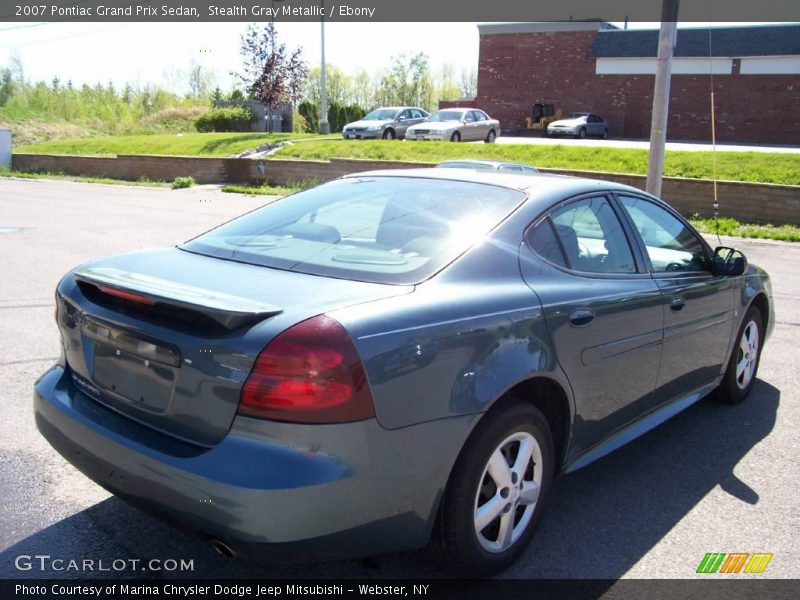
[229, 311]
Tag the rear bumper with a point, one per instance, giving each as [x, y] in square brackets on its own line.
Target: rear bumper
[329, 490]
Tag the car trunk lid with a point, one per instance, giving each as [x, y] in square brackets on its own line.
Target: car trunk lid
[168, 337]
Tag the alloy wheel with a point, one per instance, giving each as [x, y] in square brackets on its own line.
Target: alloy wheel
[508, 492]
[747, 357]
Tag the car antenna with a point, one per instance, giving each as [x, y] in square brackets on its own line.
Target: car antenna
[713, 135]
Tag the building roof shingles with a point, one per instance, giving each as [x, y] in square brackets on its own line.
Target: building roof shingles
[774, 40]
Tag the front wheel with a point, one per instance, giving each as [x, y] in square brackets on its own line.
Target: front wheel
[496, 493]
[582, 133]
[740, 376]
[490, 137]
[456, 137]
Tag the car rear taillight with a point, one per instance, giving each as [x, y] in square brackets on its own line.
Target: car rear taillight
[310, 373]
[124, 294]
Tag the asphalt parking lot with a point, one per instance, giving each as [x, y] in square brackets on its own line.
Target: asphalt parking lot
[713, 479]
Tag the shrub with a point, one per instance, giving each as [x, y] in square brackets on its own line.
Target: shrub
[234, 118]
[310, 112]
[183, 182]
[299, 124]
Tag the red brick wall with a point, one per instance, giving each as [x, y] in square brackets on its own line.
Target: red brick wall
[518, 69]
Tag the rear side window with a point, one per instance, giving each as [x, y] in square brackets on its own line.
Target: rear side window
[380, 229]
[588, 236]
[542, 240]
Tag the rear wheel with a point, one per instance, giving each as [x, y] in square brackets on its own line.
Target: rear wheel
[496, 493]
[490, 137]
[389, 134]
[605, 134]
[740, 375]
[456, 137]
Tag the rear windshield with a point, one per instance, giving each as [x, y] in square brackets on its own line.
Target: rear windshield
[381, 229]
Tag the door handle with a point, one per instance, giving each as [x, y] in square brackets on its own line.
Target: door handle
[581, 317]
[677, 304]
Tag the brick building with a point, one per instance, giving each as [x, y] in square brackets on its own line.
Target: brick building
[593, 66]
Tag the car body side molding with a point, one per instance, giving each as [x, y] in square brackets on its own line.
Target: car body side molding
[639, 427]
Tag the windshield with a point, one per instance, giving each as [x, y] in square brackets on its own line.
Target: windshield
[381, 229]
[577, 115]
[381, 114]
[447, 115]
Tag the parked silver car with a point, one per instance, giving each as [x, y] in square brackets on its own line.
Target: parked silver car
[580, 124]
[456, 125]
[388, 123]
[488, 165]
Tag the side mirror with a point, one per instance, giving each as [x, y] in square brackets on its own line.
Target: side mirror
[729, 262]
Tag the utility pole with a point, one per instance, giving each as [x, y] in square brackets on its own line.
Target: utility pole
[324, 127]
[658, 124]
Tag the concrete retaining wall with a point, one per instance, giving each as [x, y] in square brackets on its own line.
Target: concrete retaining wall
[748, 202]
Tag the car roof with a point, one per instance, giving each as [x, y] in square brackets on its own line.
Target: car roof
[396, 108]
[542, 184]
[491, 163]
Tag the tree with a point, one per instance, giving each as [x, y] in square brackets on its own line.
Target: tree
[6, 86]
[270, 74]
[200, 80]
[447, 88]
[469, 82]
[406, 82]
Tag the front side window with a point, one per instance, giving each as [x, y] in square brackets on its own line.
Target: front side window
[671, 245]
[588, 236]
[379, 229]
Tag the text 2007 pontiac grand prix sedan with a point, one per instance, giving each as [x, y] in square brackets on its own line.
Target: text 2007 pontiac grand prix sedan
[395, 358]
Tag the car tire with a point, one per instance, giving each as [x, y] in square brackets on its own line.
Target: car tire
[461, 548]
[740, 375]
[582, 132]
[389, 134]
[490, 137]
[605, 134]
[456, 137]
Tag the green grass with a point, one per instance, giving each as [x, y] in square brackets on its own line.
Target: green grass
[186, 144]
[270, 190]
[143, 182]
[733, 166]
[732, 227]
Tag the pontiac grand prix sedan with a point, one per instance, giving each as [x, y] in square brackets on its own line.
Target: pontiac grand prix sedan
[395, 358]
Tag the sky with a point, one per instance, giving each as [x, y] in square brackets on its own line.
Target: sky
[142, 53]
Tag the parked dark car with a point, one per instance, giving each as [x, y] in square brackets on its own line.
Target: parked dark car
[395, 358]
[580, 125]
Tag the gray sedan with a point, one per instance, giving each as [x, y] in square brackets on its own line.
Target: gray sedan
[456, 125]
[580, 125]
[394, 359]
[384, 123]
